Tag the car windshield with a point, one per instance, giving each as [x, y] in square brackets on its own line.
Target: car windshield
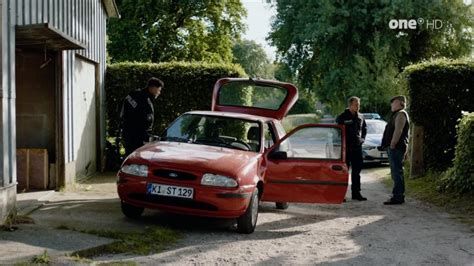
[249, 94]
[375, 126]
[218, 131]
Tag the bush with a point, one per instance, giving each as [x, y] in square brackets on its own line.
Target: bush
[188, 86]
[439, 91]
[460, 177]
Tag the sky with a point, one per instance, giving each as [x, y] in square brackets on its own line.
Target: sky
[258, 21]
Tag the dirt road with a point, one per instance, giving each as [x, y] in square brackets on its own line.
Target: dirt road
[355, 233]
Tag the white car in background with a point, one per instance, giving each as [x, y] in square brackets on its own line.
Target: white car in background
[373, 139]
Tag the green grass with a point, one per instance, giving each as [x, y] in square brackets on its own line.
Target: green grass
[13, 219]
[150, 240]
[426, 189]
[41, 259]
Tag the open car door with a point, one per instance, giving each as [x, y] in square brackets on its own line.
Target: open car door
[307, 165]
[268, 98]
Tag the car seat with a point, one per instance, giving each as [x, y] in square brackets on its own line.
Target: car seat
[253, 136]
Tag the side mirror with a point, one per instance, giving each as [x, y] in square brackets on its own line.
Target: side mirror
[278, 155]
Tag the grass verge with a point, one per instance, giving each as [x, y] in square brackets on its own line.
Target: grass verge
[151, 240]
[426, 189]
[13, 219]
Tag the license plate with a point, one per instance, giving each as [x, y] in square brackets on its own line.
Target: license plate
[170, 191]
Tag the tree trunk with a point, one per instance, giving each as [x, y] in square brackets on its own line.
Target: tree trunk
[417, 168]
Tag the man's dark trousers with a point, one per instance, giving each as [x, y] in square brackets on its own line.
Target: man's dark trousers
[354, 160]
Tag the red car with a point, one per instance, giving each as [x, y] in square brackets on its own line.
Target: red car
[221, 163]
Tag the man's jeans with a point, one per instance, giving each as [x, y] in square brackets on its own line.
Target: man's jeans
[396, 170]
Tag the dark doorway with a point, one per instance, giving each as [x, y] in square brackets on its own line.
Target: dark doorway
[36, 117]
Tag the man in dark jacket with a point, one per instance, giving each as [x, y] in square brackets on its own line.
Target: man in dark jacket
[138, 115]
[395, 140]
[356, 129]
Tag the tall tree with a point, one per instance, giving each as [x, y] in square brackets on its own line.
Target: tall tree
[253, 59]
[167, 30]
[341, 48]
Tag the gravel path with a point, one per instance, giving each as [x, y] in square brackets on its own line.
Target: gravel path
[354, 233]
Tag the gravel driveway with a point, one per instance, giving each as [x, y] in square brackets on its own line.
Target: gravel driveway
[355, 233]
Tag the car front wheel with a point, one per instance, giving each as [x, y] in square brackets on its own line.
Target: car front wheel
[248, 221]
[130, 211]
[281, 205]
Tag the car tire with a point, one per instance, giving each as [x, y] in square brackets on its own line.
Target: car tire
[248, 221]
[282, 205]
[131, 211]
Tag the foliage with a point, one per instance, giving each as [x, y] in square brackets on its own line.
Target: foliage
[440, 90]
[185, 30]
[42, 259]
[292, 121]
[188, 86]
[253, 59]
[305, 104]
[460, 177]
[13, 219]
[151, 240]
[345, 48]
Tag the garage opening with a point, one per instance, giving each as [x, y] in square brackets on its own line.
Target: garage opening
[39, 105]
[36, 118]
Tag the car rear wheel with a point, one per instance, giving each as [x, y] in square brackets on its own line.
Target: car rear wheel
[282, 205]
[248, 221]
[130, 211]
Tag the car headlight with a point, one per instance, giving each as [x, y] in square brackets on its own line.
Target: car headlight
[218, 180]
[135, 169]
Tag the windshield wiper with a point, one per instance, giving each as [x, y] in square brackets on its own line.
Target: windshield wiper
[175, 139]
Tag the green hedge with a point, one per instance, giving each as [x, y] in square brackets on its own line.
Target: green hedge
[188, 86]
[439, 91]
[460, 177]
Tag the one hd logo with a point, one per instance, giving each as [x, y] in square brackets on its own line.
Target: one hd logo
[413, 24]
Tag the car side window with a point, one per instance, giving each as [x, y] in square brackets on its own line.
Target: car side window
[269, 135]
[314, 143]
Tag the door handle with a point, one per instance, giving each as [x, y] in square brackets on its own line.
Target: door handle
[336, 168]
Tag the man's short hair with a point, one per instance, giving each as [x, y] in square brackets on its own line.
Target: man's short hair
[401, 98]
[155, 82]
[352, 99]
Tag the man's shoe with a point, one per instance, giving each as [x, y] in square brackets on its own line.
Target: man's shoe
[359, 198]
[393, 202]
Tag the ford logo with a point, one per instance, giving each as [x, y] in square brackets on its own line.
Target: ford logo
[173, 175]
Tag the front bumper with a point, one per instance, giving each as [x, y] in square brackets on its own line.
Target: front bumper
[374, 155]
[207, 201]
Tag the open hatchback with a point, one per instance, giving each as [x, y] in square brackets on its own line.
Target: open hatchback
[222, 163]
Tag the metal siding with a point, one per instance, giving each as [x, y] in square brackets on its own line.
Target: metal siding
[33, 11]
[84, 20]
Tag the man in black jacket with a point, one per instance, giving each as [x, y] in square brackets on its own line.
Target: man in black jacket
[356, 129]
[138, 115]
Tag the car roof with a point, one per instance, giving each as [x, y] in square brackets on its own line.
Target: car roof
[233, 115]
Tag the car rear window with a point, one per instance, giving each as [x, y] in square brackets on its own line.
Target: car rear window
[249, 94]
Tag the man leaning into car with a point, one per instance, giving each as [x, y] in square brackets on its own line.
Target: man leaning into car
[137, 115]
[356, 130]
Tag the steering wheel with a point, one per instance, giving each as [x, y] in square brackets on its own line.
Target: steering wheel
[245, 144]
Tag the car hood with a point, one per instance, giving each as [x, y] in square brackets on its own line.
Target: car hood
[195, 157]
[373, 139]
